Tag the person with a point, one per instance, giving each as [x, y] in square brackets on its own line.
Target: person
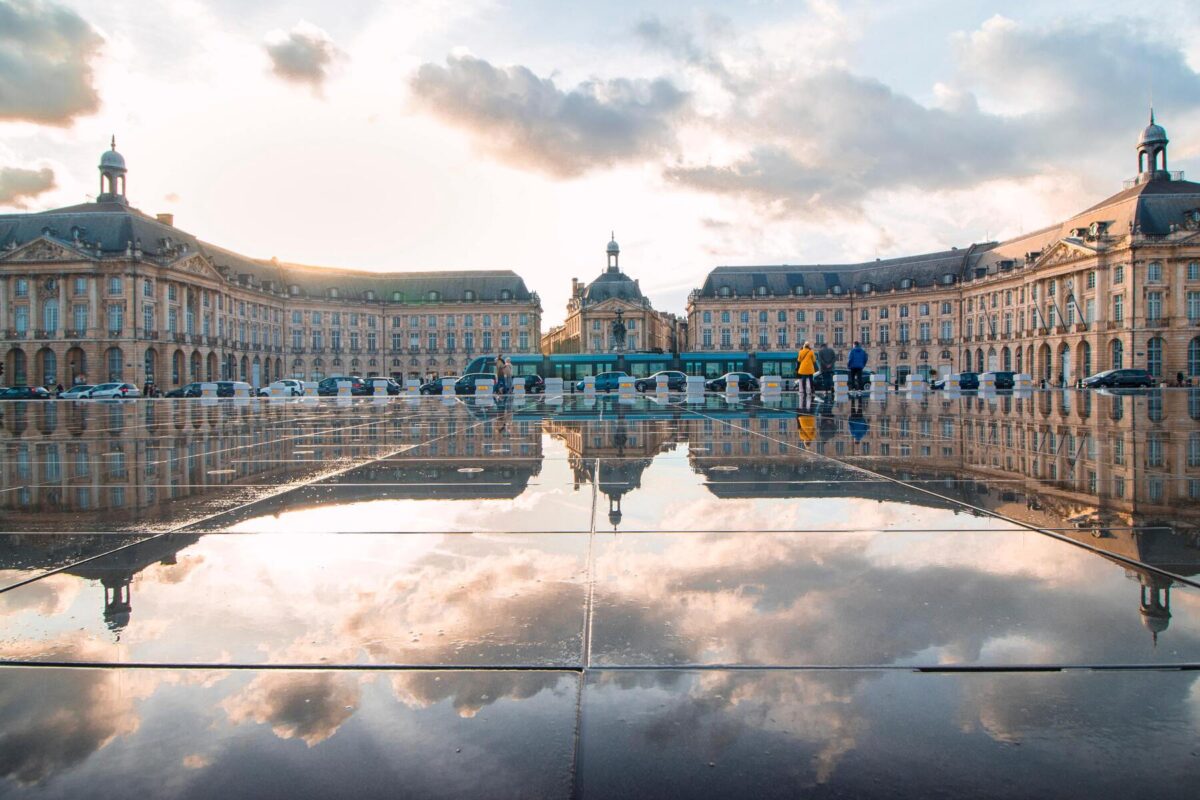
[499, 374]
[1179, 379]
[58, 390]
[856, 362]
[508, 376]
[806, 365]
[826, 358]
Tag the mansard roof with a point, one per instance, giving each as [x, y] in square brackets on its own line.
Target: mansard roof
[109, 228]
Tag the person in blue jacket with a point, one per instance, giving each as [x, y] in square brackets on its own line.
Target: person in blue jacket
[856, 362]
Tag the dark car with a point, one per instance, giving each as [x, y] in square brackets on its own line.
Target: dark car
[1120, 378]
[605, 382]
[358, 387]
[534, 384]
[466, 384]
[188, 390]
[967, 381]
[1001, 380]
[25, 393]
[745, 381]
[676, 381]
[823, 382]
[435, 387]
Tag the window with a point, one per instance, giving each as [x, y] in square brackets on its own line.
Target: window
[1154, 272]
[707, 317]
[116, 318]
[883, 313]
[114, 285]
[1091, 279]
[781, 337]
[1118, 273]
[864, 314]
[79, 314]
[864, 334]
[1193, 273]
[505, 320]
[21, 319]
[799, 316]
[903, 312]
[50, 315]
[296, 339]
[762, 316]
[295, 317]
[837, 315]
[1089, 311]
[1154, 356]
[148, 318]
[1153, 306]
[1118, 308]
[725, 340]
[924, 309]
[21, 288]
[781, 316]
[947, 331]
[903, 334]
[1193, 357]
[923, 332]
[708, 337]
[839, 336]
[523, 319]
[1193, 306]
[80, 285]
[316, 318]
[744, 317]
[820, 316]
[883, 334]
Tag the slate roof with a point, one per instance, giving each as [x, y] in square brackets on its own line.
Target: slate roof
[613, 284]
[107, 228]
[1147, 208]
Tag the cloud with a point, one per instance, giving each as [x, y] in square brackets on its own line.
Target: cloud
[309, 706]
[529, 121]
[46, 52]
[302, 55]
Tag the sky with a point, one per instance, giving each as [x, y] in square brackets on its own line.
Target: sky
[477, 134]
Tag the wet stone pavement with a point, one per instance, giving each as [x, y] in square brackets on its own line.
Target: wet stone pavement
[910, 596]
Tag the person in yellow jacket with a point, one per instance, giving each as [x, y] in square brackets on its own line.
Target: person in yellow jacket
[806, 365]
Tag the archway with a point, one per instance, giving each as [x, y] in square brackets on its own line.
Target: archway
[1064, 364]
[1084, 359]
[1006, 359]
[992, 360]
[1044, 365]
[245, 369]
[194, 371]
[114, 364]
[1021, 359]
[47, 363]
[177, 368]
[210, 372]
[278, 368]
[77, 365]
[1116, 354]
[255, 378]
[150, 364]
[1154, 357]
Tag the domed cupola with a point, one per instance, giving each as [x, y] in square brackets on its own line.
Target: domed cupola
[1152, 153]
[112, 176]
[614, 252]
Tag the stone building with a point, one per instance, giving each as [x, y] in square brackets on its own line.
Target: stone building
[101, 291]
[594, 307]
[1117, 285]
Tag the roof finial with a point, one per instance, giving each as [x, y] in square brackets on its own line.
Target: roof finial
[612, 234]
[114, 140]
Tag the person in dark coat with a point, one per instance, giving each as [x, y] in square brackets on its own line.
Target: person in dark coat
[856, 362]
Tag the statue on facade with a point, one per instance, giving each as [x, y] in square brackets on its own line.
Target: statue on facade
[618, 331]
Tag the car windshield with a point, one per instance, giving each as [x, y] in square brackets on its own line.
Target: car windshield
[107, 386]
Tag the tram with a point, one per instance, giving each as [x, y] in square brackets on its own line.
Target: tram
[576, 366]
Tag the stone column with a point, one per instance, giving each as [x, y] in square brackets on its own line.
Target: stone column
[93, 307]
[63, 309]
[3, 303]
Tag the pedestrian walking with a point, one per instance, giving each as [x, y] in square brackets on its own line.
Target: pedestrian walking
[856, 362]
[508, 376]
[806, 365]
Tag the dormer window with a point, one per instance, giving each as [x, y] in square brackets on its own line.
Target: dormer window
[906, 283]
[948, 279]
[370, 294]
[333, 294]
[761, 291]
[836, 290]
[432, 296]
[865, 288]
[505, 294]
[293, 290]
[397, 297]
[724, 291]
[468, 296]
[798, 291]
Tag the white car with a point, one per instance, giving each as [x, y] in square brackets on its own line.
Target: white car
[290, 386]
[103, 390]
[77, 392]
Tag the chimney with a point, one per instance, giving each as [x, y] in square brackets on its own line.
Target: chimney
[166, 219]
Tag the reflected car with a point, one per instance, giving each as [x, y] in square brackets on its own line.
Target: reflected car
[967, 381]
[358, 387]
[187, 390]
[676, 381]
[605, 382]
[109, 390]
[76, 392]
[435, 387]
[745, 381]
[289, 386]
[1119, 378]
[25, 393]
[824, 383]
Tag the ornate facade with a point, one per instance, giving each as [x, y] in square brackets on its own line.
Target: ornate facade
[593, 309]
[101, 291]
[1117, 285]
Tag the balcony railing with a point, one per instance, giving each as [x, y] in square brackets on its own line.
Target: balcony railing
[44, 334]
[75, 333]
[1160, 322]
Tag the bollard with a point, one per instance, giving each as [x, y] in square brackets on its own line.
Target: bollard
[485, 389]
[1023, 381]
[771, 384]
[310, 388]
[589, 386]
[343, 388]
[412, 388]
[952, 383]
[731, 390]
[987, 383]
[662, 383]
[277, 392]
[554, 386]
[208, 391]
[518, 389]
[841, 383]
[448, 387]
[694, 384]
[625, 388]
[380, 387]
[241, 392]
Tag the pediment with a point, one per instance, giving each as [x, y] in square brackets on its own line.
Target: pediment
[1063, 251]
[196, 264]
[46, 249]
[614, 303]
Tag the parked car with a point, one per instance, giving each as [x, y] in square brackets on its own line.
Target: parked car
[290, 387]
[676, 381]
[229, 388]
[108, 390]
[1001, 380]
[435, 387]
[358, 387]
[25, 393]
[822, 383]
[605, 382]
[187, 390]
[466, 384]
[967, 381]
[745, 381]
[1119, 378]
[77, 392]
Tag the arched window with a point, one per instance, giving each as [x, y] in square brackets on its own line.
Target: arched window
[1006, 359]
[1085, 360]
[49, 367]
[1193, 361]
[1117, 354]
[114, 359]
[50, 315]
[1154, 356]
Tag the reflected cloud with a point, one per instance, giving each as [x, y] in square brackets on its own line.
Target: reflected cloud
[309, 706]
